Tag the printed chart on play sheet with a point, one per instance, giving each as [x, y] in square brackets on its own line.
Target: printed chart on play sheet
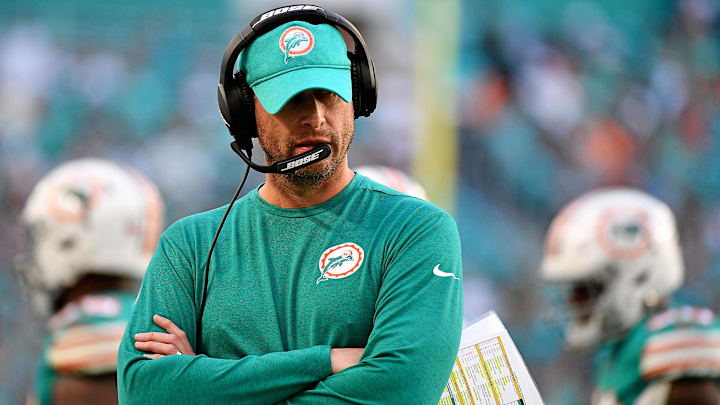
[489, 369]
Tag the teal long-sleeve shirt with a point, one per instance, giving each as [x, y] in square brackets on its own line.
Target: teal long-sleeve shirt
[370, 267]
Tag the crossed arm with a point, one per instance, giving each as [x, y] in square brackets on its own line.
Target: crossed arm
[175, 342]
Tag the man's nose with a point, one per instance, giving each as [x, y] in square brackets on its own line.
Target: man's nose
[314, 111]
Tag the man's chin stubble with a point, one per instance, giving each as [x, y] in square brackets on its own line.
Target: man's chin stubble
[310, 179]
[306, 179]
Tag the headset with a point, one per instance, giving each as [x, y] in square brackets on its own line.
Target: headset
[235, 98]
[237, 104]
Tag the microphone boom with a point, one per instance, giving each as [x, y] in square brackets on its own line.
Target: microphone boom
[288, 165]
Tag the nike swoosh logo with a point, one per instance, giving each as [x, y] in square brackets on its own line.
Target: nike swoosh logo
[440, 273]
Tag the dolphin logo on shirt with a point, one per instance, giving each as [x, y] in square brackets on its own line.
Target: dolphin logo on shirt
[340, 261]
[335, 262]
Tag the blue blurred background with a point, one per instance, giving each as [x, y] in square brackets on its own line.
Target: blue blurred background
[503, 110]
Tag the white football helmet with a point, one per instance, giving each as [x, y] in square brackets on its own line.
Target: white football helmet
[394, 179]
[90, 216]
[618, 252]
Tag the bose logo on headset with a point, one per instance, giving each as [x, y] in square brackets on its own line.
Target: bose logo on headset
[302, 161]
[282, 10]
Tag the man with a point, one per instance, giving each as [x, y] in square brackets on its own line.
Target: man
[94, 225]
[325, 287]
[616, 252]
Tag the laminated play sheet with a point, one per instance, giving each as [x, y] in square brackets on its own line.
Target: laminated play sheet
[488, 369]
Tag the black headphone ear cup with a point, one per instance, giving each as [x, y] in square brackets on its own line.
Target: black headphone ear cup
[223, 106]
[363, 85]
[369, 88]
[240, 102]
[248, 99]
[356, 80]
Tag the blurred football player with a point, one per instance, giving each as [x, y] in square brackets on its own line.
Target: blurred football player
[93, 226]
[393, 178]
[616, 252]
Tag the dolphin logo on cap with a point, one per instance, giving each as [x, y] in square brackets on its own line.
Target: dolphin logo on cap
[294, 41]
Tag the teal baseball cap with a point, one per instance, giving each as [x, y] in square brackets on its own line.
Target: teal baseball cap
[295, 57]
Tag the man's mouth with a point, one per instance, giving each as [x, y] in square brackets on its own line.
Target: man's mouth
[306, 145]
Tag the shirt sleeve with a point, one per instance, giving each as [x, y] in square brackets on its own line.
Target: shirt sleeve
[417, 324]
[685, 351]
[168, 290]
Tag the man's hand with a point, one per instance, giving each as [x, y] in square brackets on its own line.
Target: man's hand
[344, 358]
[164, 344]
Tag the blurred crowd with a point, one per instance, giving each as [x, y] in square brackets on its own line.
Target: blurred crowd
[556, 97]
[562, 97]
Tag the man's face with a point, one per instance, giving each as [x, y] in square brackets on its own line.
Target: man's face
[307, 120]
